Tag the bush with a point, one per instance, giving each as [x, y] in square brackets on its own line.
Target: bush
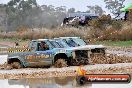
[44, 33]
[116, 25]
[101, 22]
[130, 16]
[110, 33]
[116, 35]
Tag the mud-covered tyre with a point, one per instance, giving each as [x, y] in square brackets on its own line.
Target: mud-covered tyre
[81, 80]
[8, 67]
[60, 63]
[16, 65]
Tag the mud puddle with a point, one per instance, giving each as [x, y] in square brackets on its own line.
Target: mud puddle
[62, 82]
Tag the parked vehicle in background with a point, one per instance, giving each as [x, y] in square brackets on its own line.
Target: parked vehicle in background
[78, 19]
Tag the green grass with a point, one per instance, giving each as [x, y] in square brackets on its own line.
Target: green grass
[115, 43]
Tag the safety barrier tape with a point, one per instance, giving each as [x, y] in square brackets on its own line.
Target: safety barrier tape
[13, 50]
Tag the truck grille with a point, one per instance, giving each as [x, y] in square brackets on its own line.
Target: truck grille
[81, 54]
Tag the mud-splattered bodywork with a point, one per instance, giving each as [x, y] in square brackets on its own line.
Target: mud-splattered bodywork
[36, 57]
[56, 50]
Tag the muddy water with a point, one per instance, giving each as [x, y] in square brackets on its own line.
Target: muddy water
[66, 82]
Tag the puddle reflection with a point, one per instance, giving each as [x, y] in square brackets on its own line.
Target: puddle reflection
[63, 82]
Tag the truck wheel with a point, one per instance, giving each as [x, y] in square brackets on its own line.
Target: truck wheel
[81, 80]
[8, 67]
[16, 65]
[60, 63]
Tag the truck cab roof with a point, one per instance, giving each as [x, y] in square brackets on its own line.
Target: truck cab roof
[67, 37]
[40, 40]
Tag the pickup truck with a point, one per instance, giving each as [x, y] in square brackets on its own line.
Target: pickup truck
[47, 52]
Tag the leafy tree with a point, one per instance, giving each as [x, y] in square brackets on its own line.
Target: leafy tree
[114, 5]
[71, 10]
[28, 14]
[95, 9]
[18, 11]
[78, 11]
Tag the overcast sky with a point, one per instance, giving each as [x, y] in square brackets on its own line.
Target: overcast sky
[80, 5]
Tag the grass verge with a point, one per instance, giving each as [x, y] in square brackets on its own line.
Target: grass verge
[115, 43]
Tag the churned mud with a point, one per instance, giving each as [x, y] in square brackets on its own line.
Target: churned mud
[110, 59]
[110, 63]
[65, 71]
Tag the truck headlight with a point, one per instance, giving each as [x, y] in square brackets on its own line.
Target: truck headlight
[73, 54]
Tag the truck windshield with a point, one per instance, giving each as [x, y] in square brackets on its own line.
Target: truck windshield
[79, 41]
[73, 42]
[56, 44]
[70, 42]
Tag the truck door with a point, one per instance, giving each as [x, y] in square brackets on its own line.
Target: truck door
[30, 56]
[43, 54]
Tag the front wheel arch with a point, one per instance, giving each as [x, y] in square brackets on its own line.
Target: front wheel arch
[60, 55]
[61, 58]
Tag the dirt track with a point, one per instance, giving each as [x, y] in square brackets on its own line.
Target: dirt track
[66, 71]
[71, 71]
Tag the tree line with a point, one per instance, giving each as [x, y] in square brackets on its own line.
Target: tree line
[29, 14]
